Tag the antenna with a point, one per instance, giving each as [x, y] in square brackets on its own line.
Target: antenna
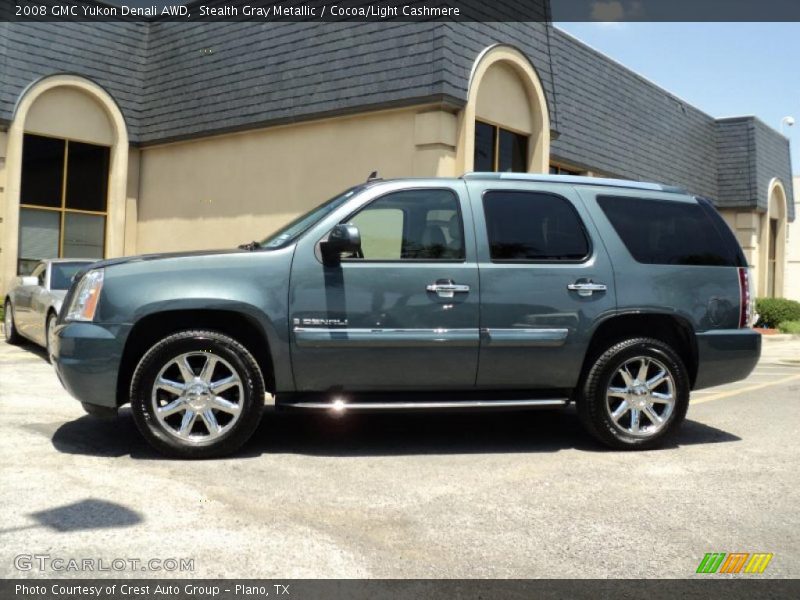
[373, 176]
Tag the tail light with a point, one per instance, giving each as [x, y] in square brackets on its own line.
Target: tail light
[745, 299]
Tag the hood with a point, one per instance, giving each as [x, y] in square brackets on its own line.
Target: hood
[147, 257]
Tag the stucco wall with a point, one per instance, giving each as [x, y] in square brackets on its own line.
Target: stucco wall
[225, 190]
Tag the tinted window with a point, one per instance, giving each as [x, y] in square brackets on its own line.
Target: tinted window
[513, 153]
[498, 149]
[412, 224]
[61, 274]
[87, 176]
[533, 226]
[669, 233]
[42, 170]
[484, 147]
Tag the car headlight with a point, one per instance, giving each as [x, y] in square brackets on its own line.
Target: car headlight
[84, 301]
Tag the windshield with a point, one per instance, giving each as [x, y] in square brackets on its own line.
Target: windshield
[61, 274]
[290, 232]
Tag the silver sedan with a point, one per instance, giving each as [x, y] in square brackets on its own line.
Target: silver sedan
[31, 308]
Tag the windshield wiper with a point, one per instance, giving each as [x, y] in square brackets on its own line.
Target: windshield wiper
[251, 246]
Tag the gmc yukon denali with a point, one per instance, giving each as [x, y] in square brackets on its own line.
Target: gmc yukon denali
[485, 291]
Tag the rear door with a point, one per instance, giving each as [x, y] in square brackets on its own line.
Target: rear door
[546, 279]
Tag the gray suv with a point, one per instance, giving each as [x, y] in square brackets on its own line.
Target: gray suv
[486, 291]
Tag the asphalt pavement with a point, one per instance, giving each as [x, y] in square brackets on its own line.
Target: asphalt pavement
[497, 495]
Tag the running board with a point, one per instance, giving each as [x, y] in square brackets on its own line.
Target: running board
[343, 406]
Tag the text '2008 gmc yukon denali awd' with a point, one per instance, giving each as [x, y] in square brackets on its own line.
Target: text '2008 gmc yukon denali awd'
[491, 290]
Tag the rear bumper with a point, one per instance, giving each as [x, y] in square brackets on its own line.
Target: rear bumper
[87, 360]
[726, 355]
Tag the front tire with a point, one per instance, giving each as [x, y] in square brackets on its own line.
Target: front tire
[11, 334]
[197, 394]
[635, 395]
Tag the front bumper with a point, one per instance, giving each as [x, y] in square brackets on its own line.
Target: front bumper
[725, 356]
[87, 357]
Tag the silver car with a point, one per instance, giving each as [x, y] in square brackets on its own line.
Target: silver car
[31, 308]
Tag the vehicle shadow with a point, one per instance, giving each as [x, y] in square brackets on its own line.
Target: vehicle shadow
[84, 515]
[32, 348]
[378, 434]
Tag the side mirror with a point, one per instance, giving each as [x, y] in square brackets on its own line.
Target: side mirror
[344, 238]
[28, 280]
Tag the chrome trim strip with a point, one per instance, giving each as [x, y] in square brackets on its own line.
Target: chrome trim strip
[499, 338]
[345, 406]
[319, 337]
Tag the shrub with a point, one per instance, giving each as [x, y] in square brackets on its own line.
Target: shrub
[773, 311]
[790, 327]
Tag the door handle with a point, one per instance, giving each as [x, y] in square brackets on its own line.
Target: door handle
[586, 288]
[445, 288]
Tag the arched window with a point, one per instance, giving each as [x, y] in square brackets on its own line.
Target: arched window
[506, 124]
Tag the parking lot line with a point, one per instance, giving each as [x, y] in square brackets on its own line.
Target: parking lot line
[742, 390]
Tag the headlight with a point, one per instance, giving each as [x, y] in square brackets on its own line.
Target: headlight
[86, 296]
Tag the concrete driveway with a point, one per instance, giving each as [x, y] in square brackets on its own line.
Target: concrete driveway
[510, 495]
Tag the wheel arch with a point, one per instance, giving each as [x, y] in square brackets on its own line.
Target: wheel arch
[669, 328]
[149, 329]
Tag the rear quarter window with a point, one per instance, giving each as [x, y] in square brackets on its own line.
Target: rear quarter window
[664, 232]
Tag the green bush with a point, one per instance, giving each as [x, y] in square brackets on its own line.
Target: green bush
[773, 311]
[790, 327]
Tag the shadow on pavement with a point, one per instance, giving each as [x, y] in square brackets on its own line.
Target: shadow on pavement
[34, 349]
[81, 516]
[378, 434]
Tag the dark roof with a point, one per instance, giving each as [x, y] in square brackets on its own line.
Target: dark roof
[178, 80]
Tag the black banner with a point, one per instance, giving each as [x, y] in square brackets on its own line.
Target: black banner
[398, 10]
[707, 588]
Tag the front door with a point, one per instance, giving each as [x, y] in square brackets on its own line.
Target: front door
[400, 314]
[546, 279]
[24, 318]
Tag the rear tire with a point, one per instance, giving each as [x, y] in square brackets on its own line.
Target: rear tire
[635, 395]
[197, 394]
[11, 334]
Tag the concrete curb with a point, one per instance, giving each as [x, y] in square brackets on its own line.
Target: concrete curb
[780, 337]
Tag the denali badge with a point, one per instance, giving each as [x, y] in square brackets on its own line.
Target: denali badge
[320, 322]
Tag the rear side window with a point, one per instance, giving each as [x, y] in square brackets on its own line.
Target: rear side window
[661, 232]
[533, 226]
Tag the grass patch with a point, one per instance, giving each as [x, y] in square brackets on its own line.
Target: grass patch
[790, 327]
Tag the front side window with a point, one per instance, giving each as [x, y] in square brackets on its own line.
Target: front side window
[498, 149]
[411, 225]
[63, 200]
[668, 232]
[533, 226]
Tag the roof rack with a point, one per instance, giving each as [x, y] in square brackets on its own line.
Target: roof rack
[576, 180]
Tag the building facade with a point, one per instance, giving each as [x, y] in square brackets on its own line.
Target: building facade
[122, 138]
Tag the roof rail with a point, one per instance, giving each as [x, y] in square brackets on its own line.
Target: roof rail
[575, 180]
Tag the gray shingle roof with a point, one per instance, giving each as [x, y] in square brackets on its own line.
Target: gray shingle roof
[175, 80]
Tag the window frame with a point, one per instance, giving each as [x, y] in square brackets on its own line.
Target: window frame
[62, 208]
[496, 140]
[542, 261]
[349, 217]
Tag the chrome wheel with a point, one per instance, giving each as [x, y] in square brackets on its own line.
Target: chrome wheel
[197, 397]
[641, 396]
